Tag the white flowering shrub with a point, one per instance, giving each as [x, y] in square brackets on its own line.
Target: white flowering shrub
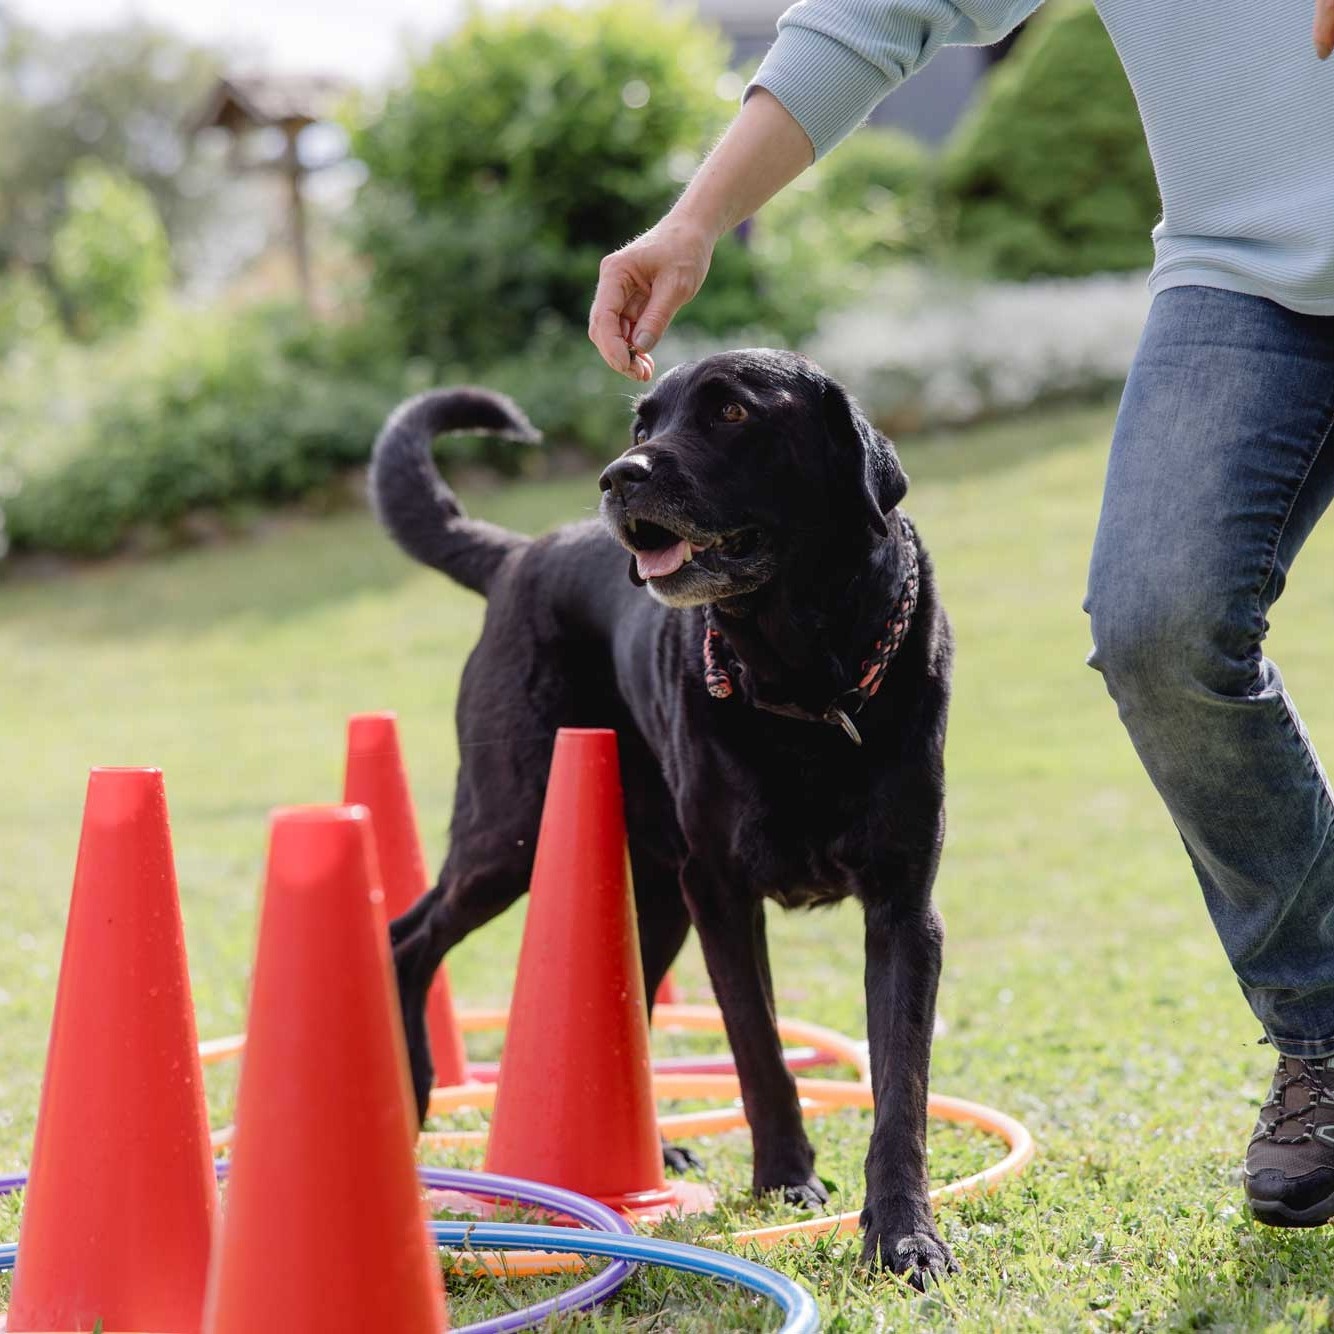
[922, 349]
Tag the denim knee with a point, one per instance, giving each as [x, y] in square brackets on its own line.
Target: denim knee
[1162, 643]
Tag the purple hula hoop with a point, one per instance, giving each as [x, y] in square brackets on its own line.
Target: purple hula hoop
[487, 1185]
[591, 1292]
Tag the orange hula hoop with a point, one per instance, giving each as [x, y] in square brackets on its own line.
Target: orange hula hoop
[818, 1097]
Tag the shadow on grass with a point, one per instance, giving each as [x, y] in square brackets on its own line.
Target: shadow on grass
[289, 567]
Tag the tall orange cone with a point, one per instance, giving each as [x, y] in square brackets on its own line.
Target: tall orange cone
[668, 993]
[324, 1229]
[377, 778]
[121, 1200]
[574, 1106]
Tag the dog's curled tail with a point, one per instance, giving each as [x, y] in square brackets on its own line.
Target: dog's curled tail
[413, 501]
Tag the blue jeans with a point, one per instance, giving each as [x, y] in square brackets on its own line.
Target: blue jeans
[1222, 462]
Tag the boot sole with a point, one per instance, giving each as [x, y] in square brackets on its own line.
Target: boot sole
[1274, 1213]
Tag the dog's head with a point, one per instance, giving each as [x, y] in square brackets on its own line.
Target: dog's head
[744, 465]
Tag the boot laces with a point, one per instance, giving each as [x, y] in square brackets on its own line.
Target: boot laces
[1307, 1077]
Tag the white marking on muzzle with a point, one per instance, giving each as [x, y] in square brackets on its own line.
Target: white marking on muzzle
[639, 459]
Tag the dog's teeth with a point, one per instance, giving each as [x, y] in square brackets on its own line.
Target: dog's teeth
[630, 524]
[690, 555]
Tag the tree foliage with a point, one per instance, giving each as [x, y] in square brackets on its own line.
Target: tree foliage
[865, 206]
[122, 95]
[109, 256]
[523, 149]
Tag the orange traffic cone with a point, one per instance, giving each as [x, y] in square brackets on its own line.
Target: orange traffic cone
[668, 993]
[121, 1200]
[574, 1106]
[324, 1228]
[377, 779]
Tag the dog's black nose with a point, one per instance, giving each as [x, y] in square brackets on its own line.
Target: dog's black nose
[620, 475]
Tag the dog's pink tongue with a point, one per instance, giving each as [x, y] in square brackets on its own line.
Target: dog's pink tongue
[655, 564]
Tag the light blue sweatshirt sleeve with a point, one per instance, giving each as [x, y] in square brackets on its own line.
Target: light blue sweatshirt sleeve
[833, 60]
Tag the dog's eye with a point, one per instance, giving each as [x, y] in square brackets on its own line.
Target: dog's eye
[732, 412]
[641, 434]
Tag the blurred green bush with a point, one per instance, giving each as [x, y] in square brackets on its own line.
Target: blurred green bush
[220, 413]
[522, 150]
[120, 92]
[109, 256]
[216, 413]
[27, 310]
[1049, 172]
[861, 209]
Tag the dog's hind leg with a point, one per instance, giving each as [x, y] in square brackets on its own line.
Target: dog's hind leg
[662, 919]
[903, 955]
[731, 932]
[462, 900]
[657, 849]
[497, 810]
[663, 924]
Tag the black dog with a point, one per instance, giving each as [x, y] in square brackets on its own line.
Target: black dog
[780, 698]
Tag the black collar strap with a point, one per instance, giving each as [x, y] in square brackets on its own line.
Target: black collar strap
[846, 706]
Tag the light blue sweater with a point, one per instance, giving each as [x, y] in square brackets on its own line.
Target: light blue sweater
[1238, 111]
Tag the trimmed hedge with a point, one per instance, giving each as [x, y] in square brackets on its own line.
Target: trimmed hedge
[1050, 173]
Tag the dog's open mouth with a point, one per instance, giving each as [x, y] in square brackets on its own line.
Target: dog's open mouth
[659, 552]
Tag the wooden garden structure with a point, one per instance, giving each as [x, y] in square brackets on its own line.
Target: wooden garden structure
[246, 106]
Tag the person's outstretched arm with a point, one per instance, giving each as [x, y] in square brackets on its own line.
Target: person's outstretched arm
[832, 62]
[645, 283]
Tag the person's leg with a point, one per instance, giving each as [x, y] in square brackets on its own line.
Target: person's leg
[1221, 464]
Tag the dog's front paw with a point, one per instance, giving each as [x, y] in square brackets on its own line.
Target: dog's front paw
[680, 1160]
[808, 1194]
[917, 1255]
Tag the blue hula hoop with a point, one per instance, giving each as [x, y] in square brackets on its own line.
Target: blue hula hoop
[797, 1304]
[616, 1243]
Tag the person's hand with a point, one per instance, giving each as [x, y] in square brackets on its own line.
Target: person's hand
[641, 287]
[1323, 32]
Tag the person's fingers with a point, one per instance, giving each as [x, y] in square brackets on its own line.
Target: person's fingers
[615, 285]
[1323, 32]
[667, 297]
[641, 366]
[634, 308]
[640, 289]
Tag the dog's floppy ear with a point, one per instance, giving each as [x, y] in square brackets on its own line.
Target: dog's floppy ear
[864, 457]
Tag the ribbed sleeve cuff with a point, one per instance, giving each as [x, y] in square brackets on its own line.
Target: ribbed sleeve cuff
[827, 87]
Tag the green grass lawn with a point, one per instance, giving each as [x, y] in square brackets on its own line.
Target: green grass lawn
[1084, 990]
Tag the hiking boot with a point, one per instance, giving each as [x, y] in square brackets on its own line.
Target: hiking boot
[1289, 1173]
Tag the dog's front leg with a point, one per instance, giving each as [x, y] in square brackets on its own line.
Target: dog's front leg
[903, 953]
[730, 923]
